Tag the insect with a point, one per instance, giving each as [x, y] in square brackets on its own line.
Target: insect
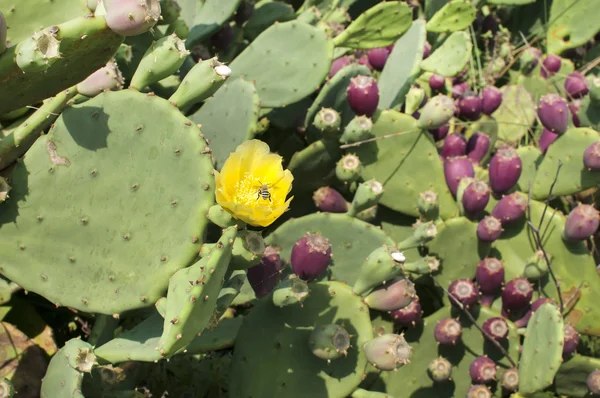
[263, 191]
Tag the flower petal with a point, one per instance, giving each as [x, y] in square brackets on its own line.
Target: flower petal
[282, 188]
[252, 153]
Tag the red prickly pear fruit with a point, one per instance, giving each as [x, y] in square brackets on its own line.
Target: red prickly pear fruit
[475, 198]
[426, 50]
[477, 147]
[550, 65]
[459, 89]
[510, 380]
[591, 157]
[510, 208]
[571, 340]
[489, 229]
[504, 170]
[363, 95]
[546, 139]
[464, 291]
[574, 107]
[490, 275]
[364, 60]
[496, 327]
[329, 200]
[437, 82]
[131, 17]
[553, 113]
[576, 86]
[581, 223]
[439, 369]
[378, 57]
[409, 316]
[264, 276]
[491, 99]
[448, 331]
[470, 106]
[479, 391]
[391, 296]
[440, 133]
[482, 370]
[454, 145]
[593, 382]
[455, 169]
[310, 256]
[523, 321]
[517, 294]
[339, 64]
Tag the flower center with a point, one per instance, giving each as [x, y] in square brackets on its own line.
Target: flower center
[251, 192]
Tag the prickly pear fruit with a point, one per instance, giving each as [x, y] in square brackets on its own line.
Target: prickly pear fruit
[423, 232]
[383, 264]
[550, 65]
[264, 276]
[428, 205]
[437, 112]
[38, 52]
[591, 157]
[464, 291]
[479, 391]
[437, 82]
[496, 327]
[440, 133]
[491, 99]
[581, 223]
[470, 106]
[290, 291]
[536, 267]
[447, 331]
[504, 169]
[477, 147]
[482, 370]
[415, 98]
[575, 85]
[475, 198]
[574, 107]
[571, 340]
[310, 256]
[510, 208]
[339, 64]
[409, 316]
[593, 382]
[348, 168]
[106, 78]
[329, 341]
[329, 200]
[454, 145]
[378, 57]
[490, 277]
[594, 89]
[509, 380]
[517, 294]
[553, 113]
[423, 266]
[546, 139]
[523, 321]
[426, 49]
[358, 129]
[131, 17]
[489, 229]
[200, 83]
[439, 369]
[366, 196]
[529, 59]
[455, 169]
[388, 351]
[328, 122]
[459, 89]
[392, 296]
[363, 95]
[3, 31]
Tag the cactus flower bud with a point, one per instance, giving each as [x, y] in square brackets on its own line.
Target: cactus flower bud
[582, 223]
[388, 351]
[328, 122]
[504, 170]
[439, 369]
[363, 95]
[358, 129]
[553, 113]
[348, 168]
[310, 256]
[428, 205]
[516, 295]
[591, 157]
[448, 331]
[489, 229]
[575, 85]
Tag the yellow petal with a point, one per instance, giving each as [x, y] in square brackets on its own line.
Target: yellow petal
[231, 171]
[252, 152]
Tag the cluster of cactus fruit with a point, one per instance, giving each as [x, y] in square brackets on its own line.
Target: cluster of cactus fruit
[441, 240]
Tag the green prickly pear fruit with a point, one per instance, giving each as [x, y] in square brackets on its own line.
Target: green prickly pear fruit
[169, 12]
[536, 267]
[436, 112]
[329, 341]
[37, 53]
[367, 195]
[106, 78]
[348, 168]
[382, 265]
[388, 351]
[423, 266]
[510, 379]
[291, 291]
[200, 83]
[328, 122]
[439, 369]
[428, 206]
[423, 232]
[3, 31]
[358, 129]
[7, 390]
[131, 17]
[414, 99]
[162, 59]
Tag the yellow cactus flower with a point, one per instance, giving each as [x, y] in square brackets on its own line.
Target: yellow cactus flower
[252, 184]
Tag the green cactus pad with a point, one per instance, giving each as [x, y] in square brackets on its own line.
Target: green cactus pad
[538, 86]
[86, 45]
[574, 176]
[571, 24]
[515, 115]
[455, 15]
[287, 62]
[277, 338]
[360, 393]
[228, 118]
[589, 114]
[220, 337]
[542, 350]
[406, 165]
[510, 2]
[572, 376]
[379, 26]
[398, 227]
[140, 164]
[531, 157]
[314, 166]
[209, 19]
[267, 13]
[412, 381]
[401, 67]
[451, 57]
[351, 241]
[65, 372]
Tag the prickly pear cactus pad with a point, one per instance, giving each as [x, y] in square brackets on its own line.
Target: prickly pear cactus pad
[451, 57]
[571, 377]
[272, 355]
[573, 28]
[119, 189]
[515, 115]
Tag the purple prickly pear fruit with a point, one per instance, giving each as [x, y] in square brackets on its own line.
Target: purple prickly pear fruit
[553, 113]
[447, 331]
[482, 370]
[491, 98]
[490, 275]
[459, 89]
[550, 65]
[378, 57]
[440, 133]
[470, 106]
[496, 327]
[516, 295]
[409, 316]
[364, 60]
[591, 157]
[571, 340]
[593, 382]
[574, 107]
[454, 145]
[426, 49]
[523, 321]
[439, 369]
[475, 198]
[455, 169]
[546, 139]
[477, 147]
[264, 276]
[489, 229]
[131, 17]
[310, 256]
[510, 208]
[363, 95]
[510, 380]
[576, 86]
[581, 223]
[329, 200]
[464, 291]
[391, 297]
[390, 47]
[437, 82]
[339, 63]
[479, 391]
[504, 169]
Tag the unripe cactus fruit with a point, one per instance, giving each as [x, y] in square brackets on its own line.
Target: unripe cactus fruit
[575, 85]
[348, 168]
[290, 291]
[510, 208]
[38, 52]
[329, 200]
[409, 316]
[490, 275]
[479, 391]
[437, 82]
[482, 370]
[582, 223]
[437, 112]
[388, 351]
[447, 331]
[358, 129]
[310, 256]
[392, 296]
[510, 380]
[504, 169]
[489, 229]
[591, 157]
[329, 341]
[428, 205]
[106, 78]
[455, 169]
[440, 133]
[378, 57]
[454, 145]
[491, 99]
[517, 294]
[328, 121]
[550, 65]
[264, 276]
[475, 198]
[477, 147]
[496, 327]
[546, 139]
[470, 106]
[439, 369]
[593, 382]
[340, 63]
[162, 59]
[363, 95]
[131, 17]
[571, 340]
[553, 113]
[594, 89]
